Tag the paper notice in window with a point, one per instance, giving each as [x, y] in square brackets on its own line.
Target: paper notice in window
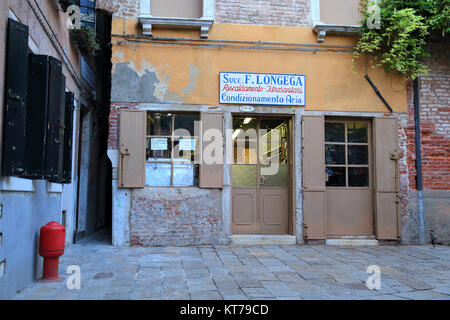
[159, 144]
[187, 144]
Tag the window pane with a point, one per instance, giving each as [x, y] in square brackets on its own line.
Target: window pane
[357, 132]
[185, 124]
[158, 124]
[245, 151]
[244, 175]
[358, 177]
[280, 179]
[244, 128]
[273, 153]
[358, 154]
[158, 149]
[157, 174]
[334, 132]
[335, 154]
[272, 127]
[185, 149]
[336, 176]
[185, 174]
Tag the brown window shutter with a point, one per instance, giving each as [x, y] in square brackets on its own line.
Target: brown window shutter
[386, 179]
[211, 175]
[132, 149]
[313, 165]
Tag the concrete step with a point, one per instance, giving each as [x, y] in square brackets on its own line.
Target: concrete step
[263, 239]
[351, 242]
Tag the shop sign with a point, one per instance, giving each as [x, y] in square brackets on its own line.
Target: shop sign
[262, 88]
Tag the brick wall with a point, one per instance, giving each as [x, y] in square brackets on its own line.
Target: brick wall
[435, 147]
[121, 8]
[435, 122]
[114, 118]
[261, 12]
[176, 216]
[264, 12]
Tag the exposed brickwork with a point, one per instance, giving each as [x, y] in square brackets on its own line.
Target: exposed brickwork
[121, 8]
[114, 118]
[435, 123]
[264, 12]
[435, 136]
[261, 12]
[178, 217]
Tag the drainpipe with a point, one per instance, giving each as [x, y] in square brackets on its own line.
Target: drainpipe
[418, 162]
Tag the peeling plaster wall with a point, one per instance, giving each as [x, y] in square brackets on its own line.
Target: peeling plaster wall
[148, 72]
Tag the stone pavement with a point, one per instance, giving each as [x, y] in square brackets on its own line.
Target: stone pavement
[254, 272]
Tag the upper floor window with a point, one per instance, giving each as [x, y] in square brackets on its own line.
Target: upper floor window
[341, 17]
[177, 13]
[343, 12]
[177, 8]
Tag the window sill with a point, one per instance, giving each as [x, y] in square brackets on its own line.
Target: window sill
[323, 29]
[204, 24]
[15, 184]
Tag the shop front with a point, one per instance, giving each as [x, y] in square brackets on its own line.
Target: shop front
[256, 131]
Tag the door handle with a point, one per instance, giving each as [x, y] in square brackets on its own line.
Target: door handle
[123, 151]
[262, 179]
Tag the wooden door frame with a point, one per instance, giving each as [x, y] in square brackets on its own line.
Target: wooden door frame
[291, 166]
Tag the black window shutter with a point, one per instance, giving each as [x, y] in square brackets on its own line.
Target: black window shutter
[55, 121]
[68, 134]
[36, 119]
[13, 153]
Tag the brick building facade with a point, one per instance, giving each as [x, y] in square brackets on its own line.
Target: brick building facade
[147, 209]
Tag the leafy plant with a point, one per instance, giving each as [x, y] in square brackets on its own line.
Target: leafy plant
[86, 40]
[406, 28]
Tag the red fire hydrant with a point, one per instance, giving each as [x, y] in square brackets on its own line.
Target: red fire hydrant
[51, 247]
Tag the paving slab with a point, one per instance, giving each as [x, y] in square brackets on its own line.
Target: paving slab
[235, 272]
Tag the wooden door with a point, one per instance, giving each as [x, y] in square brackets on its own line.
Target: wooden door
[260, 175]
[349, 183]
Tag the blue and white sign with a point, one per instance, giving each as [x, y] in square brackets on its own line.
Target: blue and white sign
[262, 88]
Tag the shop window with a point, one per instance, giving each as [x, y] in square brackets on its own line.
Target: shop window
[347, 154]
[172, 148]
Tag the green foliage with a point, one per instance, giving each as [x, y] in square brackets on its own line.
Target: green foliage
[405, 30]
[86, 40]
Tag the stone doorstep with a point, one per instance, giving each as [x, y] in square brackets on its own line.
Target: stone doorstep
[351, 242]
[263, 239]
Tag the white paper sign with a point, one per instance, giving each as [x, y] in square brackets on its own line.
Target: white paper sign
[159, 144]
[187, 144]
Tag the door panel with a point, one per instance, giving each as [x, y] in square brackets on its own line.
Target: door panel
[274, 206]
[349, 192]
[349, 218]
[244, 209]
